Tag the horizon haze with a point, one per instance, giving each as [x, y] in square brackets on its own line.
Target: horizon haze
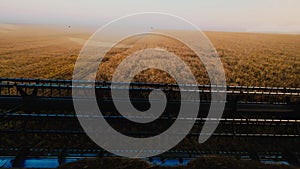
[267, 16]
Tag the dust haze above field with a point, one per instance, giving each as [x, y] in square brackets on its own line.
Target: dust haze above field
[276, 16]
[50, 52]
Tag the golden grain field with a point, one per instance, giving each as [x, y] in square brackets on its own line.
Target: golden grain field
[251, 59]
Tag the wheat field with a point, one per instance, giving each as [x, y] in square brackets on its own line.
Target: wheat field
[250, 59]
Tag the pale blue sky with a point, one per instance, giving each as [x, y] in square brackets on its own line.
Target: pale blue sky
[227, 15]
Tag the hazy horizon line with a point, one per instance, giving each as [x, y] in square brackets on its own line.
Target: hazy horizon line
[95, 27]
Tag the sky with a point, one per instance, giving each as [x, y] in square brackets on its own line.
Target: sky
[220, 15]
